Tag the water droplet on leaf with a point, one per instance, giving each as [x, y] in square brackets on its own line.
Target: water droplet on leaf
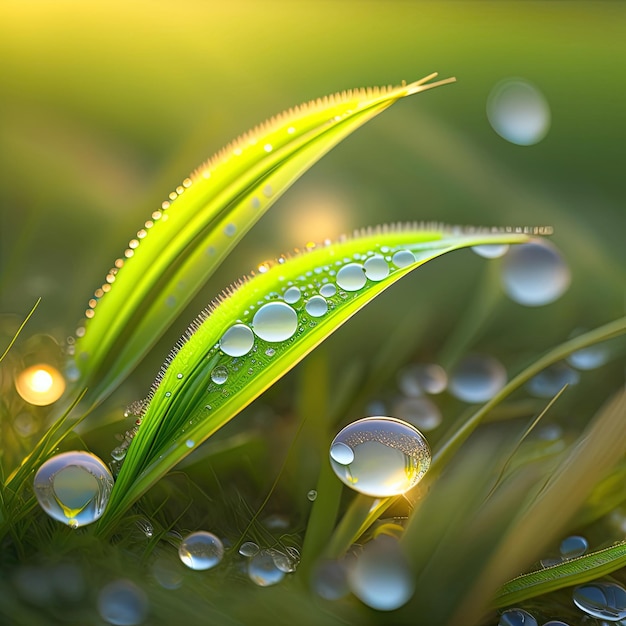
[403, 258]
[275, 321]
[603, 600]
[237, 340]
[219, 375]
[351, 277]
[316, 306]
[573, 546]
[376, 268]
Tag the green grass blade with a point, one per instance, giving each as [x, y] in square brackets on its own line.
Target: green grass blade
[573, 572]
[187, 239]
[187, 405]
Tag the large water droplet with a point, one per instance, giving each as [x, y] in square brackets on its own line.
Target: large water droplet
[403, 258]
[477, 378]
[518, 112]
[603, 600]
[40, 384]
[573, 546]
[316, 306]
[420, 378]
[534, 274]
[351, 277]
[275, 321]
[420, 412]
[491, 251]
[237, 340]
[292, 295]
[201, 550]
[389, 456]
[263, 571]
[248, 548]
[219, 375]
[376, 268]
[122, 603]
[381, 577]
[73, 487]
[517, 617]
[551, 380]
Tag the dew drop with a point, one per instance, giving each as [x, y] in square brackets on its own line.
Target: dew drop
[477, 378]
[551, 380]
[285, 563]
[517, 617]
[270, 352]
[328, 290]
[263, 571]
[190, 443]
[341, 453]
[275, 321]
[420, 378]
[40, 385]
[403, 258]
[589, 358]
[201, 550]
[534, 274]
[219, 375]
[122, 603]
[248, 549]
[603, 600]
[292, 295]
[316, 306]
[376, 268]
[73, 487]
[381, 577]
[518, 112]
[237, 340]
[420, 412]
[312, 495]
[389, 456]
[118, 453]
[351, 277]
[573, 546]
[330, 580]
[491, 251]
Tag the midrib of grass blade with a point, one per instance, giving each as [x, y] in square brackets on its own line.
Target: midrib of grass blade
[177, 414]
[203, 221]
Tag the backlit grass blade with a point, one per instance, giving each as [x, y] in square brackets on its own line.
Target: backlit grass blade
[184, 241]
[259, 329]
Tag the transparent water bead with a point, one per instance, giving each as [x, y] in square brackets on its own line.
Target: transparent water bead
[381, 577]
[328, 290]
[491, 251]
[263, 571]
[403, 258]
[517, 617]
[316, 306]
[201, 550]
[292, 295]
[551, 380]
[419, 378]
[380, 456]
[351, 277]
[477, 378]
[573, 546]
[248, 549]
[286, 563]
[275, 321]
[219, 375]
[421, 412]
[376, 268]
[603, 600]
[534, 274]
[122, 603]
[40, 384]
[237, 340]
[73, 487]
[518, 112]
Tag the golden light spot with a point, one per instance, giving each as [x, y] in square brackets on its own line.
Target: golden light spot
[40, 384]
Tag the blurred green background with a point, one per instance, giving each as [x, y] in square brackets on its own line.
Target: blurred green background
[106, 107]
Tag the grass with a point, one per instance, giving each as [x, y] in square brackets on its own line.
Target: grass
[498, 496]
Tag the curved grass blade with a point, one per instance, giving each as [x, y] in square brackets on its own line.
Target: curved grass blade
[259, 329]
[185, 241]
[573, 572]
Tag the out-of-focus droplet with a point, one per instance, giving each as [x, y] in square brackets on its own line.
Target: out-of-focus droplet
[73, 487]
[380, 456]
[122, 603]
[477, 378]
[551, 380]
[517, 617]
[420, 412]
[167, 572]
[381, 577]
[535, 273]
[40, 384]
[330, 580]
[518, 112]
[491, 251]
[419, 378]
[201, 550]
[263, 571]
[589, 358]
